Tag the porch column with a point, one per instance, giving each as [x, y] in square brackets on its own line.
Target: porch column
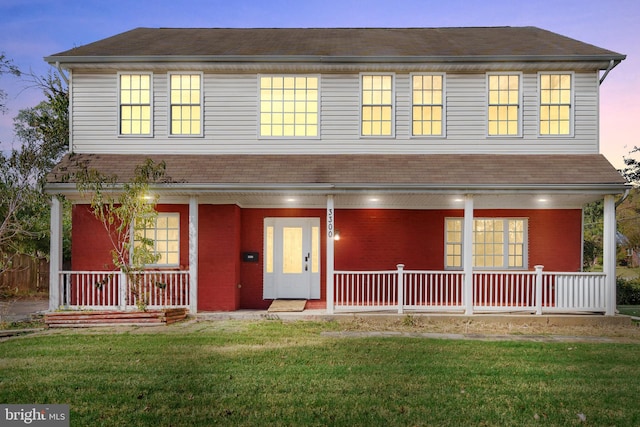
[193, 254]
[330, 233]
[55, 254]
[467, 253]
[609, 253]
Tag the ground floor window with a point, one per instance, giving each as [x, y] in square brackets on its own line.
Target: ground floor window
[498, 243]
[165, 233]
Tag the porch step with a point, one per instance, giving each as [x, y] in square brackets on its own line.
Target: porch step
[287, 305]
[78, 319]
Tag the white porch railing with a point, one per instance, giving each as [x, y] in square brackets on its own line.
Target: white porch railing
[493, 291]
[108, 289]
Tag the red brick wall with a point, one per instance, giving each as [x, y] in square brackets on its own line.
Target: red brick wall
[219, 258]
[90, 243]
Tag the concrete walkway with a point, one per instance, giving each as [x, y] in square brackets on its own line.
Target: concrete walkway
[21, 310]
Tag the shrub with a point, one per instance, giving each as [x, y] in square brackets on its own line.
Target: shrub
[628, 291]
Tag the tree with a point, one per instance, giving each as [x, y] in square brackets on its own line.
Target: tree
[24, 213]
[125, 211]
[6, 66]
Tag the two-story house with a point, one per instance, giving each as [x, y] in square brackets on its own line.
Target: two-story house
[440, 169]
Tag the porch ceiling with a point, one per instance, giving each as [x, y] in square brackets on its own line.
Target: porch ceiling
[386, 200]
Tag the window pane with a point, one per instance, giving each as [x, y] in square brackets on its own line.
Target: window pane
[504, 100]
[164, 231]
[135, 104]
[555, 98]
[377, 108]
[185, 104]
[427, 105]
[291, 95]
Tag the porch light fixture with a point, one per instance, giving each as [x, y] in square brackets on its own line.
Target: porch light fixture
[291, 199]
[336, 235]
[374, 199]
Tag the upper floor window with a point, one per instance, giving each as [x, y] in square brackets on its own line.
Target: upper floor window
[555, 104]
[165, 234]
[289, 106]
[497, 243]
[185, 104]
[504, 104]
[135, 104]
[428, 104]
[377, 105]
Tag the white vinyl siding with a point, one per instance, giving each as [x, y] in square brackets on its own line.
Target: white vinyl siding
[230, 104]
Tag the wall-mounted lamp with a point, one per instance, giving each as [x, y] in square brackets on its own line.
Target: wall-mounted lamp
[336, 235]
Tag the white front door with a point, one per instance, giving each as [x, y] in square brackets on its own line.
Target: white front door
[291, 258]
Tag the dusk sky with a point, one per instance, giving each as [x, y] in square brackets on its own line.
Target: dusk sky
[33, 29]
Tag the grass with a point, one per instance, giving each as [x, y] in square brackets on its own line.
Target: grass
[629, 310]
[275, 373]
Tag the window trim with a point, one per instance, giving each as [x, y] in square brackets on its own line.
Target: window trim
[393, 105]
[572, 106]
[525, 245]
[155, 226]
[519, 134]
[259, 107]
[443, 134]
[119, 106]
[169, 105]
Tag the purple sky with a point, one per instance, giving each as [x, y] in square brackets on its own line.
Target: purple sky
[32, 29]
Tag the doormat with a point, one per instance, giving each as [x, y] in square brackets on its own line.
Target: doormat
[284, 305]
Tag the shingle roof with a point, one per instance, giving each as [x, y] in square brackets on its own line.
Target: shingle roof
[490, 42]
[429, 171]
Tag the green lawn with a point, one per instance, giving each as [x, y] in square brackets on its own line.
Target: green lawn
[274, 373]
[629, 310]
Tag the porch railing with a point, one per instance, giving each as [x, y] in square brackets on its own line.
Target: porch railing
[109, 290]
[492, 291]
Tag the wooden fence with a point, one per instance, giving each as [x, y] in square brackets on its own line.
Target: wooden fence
[27, 274]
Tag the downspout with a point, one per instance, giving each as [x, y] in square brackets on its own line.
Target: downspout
[66, 79]
[612, 64]
[624, 196]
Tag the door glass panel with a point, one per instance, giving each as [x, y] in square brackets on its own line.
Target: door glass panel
[269, 251]
[292, 250]
[315, 255]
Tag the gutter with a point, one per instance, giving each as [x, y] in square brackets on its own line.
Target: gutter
[327, 59]
[342, 188]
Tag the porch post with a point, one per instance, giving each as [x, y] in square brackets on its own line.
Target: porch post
[330, 252]
[467, 253]
[400, 268]
[538, 269]
[55, 254]
[193, 254]
[609, 253]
